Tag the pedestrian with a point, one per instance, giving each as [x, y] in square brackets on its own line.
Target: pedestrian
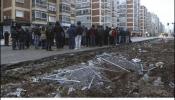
[113, 36]
[59, 35]
[43, 37]
[6, 37]
[14, 37]
[27, 38]
[128, 36]
[37, 35]
[49, 37]
[100, 35]
[72, 32]
[92, 33]
[106, 36]
[88, 38]
[78, 38]
[21, 37]
[85, 30]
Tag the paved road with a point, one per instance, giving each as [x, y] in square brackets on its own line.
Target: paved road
[8, 56]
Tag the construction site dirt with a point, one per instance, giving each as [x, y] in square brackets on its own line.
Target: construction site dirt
[144, 69]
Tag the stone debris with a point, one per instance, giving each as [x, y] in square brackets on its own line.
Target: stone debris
[159, 64]
[136, 60]
[17, 93]
[158, 82]
[146, 77]
[171, 84]
[71, 90]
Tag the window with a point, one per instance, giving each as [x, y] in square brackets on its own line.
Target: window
[19, 13]
[52, 19]
[37, 14]
[20, 1]
[43, 15]
[52, 8]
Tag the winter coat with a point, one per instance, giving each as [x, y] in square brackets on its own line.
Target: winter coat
[58, 31]
[79, 30]
[72, 31]
[49, 34]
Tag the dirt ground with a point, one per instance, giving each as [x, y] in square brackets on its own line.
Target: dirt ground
[157, 58]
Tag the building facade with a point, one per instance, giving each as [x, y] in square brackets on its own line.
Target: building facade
[122, 14]
[94, 12]
[15, 11]
[36, 12]
[128, 15]
[143, 21]
[133, 19]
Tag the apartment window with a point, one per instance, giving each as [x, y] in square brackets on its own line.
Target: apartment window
[19, 13]
[43, 15]
[52, 19]
[37, 14]
[20, 1]
[52, 8]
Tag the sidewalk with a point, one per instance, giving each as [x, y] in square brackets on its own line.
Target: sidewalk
[9, 56]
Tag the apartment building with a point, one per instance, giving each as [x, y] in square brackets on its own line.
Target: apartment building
[114, 13]
[143, 20]
[133, 9]
[0, 11]
[73, 11]
[15, 11]
[122, 14]
[65, 12]
[94, 12]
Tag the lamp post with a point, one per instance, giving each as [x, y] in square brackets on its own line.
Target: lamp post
[168, 24]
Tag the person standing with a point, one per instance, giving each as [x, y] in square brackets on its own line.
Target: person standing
[43, 38]
[6, 37]
[92, 34]
[106, 36]
[59, 35]
[27, 38]
[100, 35]
[21, 37]
[14, 37]
[72, 32]
[78, 38]
[49, 37]
[37, 35]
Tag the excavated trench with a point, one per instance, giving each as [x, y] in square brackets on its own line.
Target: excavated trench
[144, 69]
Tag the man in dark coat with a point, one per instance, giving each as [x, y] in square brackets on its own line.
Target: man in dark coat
[100, 35]
[6, 37]
[72, 32]
[92, 34]
[49, 37]
[59, 35]
[21, 37]
[106, 36]
[14, 36]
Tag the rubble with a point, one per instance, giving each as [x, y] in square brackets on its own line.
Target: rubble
[134, 70]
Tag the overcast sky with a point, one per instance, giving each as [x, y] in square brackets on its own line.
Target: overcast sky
[163, 8]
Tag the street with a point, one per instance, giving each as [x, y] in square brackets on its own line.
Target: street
[9, 56]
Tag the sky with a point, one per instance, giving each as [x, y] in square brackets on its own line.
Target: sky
[163, 8]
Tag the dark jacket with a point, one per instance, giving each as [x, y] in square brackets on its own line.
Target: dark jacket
[79, 30]
[37, 31]
[58, 31]
[49, 33]
[21, 34]
[72, 31]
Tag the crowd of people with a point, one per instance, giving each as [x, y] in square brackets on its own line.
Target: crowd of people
[75, 36]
